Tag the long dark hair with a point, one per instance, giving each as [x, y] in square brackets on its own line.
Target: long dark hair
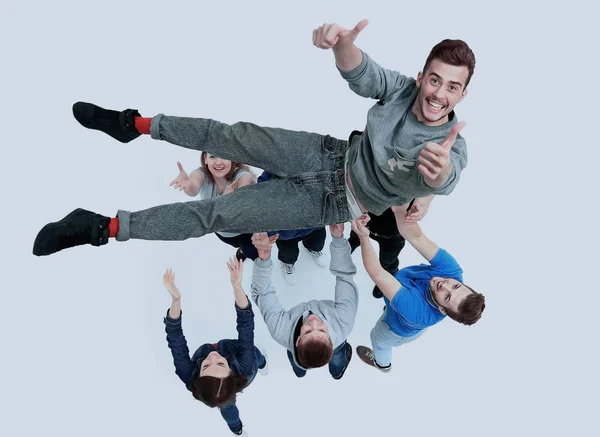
[218, 392]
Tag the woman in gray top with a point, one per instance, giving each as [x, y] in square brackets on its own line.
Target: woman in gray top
[216, 177]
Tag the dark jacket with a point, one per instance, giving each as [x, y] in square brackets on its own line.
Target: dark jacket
[241, 354]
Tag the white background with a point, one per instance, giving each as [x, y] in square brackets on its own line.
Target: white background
[83, 344]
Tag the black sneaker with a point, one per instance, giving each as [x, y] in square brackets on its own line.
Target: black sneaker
[77, 228]
[348, 358]
[239, 255]
[377, 294]
[119, 125]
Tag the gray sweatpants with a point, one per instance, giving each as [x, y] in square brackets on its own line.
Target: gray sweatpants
[308, 191]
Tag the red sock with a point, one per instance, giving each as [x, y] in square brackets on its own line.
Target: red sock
[142, 124]
[113, 227]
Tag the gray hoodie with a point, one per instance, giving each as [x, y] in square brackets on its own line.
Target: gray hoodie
[383, 160]
[338, 315]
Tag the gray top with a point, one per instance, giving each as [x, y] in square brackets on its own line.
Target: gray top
[383, 161]
[210, 190]
[338, 315]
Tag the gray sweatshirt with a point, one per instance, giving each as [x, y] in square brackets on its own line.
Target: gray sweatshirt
[338, 315]
[383, 160]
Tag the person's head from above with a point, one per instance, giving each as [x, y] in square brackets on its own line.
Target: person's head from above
[216, 168]
[314, 345]
[216, 385]
[443, 82]
[458, 301]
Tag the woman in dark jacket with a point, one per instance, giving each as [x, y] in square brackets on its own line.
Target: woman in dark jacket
[217, 371]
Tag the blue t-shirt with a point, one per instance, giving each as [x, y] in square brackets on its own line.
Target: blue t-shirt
[409, 312]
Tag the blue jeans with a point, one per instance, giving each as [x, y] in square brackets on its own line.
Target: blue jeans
[383, 340]
[336, 365]
[310, 190]
[230, 413]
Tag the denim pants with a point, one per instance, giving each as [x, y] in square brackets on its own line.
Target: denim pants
[383, 340]
[310, 189]
[230, 413]
[336, 365]
[288, 250]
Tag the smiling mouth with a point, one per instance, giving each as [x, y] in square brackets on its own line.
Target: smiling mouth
[435, 106]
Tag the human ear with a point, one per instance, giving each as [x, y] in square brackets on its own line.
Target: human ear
[419, 79]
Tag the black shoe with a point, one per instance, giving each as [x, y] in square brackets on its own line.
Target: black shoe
[354, 243]
[239, 255]
[377, 294]
[77, 228]
[119, 125]
[348, 358]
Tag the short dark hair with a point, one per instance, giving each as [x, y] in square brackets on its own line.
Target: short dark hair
[314, 353]
[218, 392]
[470, 309]
[454, 52]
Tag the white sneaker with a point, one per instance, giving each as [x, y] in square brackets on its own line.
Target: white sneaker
[243, 434]
[289, 273]
[319, 257]
[265, 370]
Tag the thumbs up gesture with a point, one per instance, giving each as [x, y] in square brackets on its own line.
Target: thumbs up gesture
[434, 158]
[331, 35]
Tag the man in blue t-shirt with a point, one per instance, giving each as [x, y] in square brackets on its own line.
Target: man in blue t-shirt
[416, 297]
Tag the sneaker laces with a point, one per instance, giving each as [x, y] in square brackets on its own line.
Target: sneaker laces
[316, 254]
[289, 268]
[369, 355]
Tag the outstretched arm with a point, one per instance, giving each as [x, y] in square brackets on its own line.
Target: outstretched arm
[189, 184]
[244, 317]
[386, 282]
[341, 265]
[263, 292]
[414, 235]
[175, 338]
[365, 77]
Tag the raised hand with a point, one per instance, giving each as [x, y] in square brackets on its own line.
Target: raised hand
[434, 159]
[263, 244]
[236, 271]
[182, 181]
[359, 226]
[331, 35]
[415, 213]
[231, 187]
[169, 281]
[337, 230]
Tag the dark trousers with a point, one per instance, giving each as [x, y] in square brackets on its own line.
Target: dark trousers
[242, 241]
[337, 364]
[384, 230]
[289, 251]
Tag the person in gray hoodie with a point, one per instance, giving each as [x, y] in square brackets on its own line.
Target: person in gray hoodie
[410, 148]
[315, 332]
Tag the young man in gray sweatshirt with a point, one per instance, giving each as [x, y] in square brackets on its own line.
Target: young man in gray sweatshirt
[315, 332]
[410, 148]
